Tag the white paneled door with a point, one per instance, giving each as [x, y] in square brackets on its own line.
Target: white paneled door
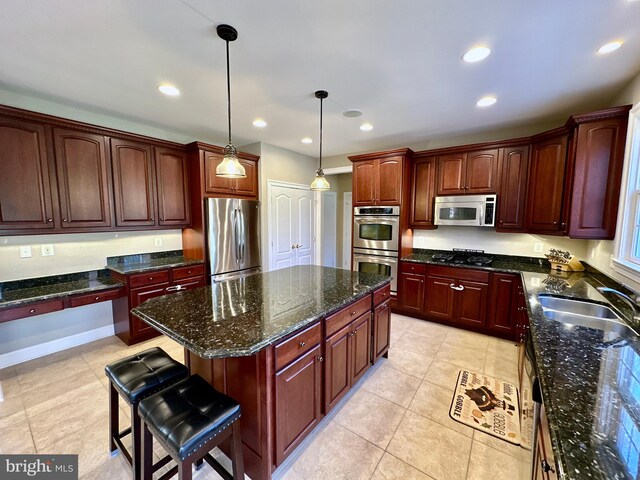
[291, 226]
[328, 228]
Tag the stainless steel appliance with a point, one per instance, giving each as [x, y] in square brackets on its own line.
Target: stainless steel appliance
[233, 237]
[466, 210]
[375, 261]
[376, 227]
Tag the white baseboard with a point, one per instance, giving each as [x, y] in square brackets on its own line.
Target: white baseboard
[42, 349]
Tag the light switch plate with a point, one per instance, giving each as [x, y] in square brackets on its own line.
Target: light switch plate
[25, 252]
[47, 250]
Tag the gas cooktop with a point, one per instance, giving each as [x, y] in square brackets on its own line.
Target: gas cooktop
[461, 258]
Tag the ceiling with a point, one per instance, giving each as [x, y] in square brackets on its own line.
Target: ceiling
[397, 61]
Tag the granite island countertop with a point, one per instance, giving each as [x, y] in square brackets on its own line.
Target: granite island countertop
[590, 379]
[21, 292]
[147, 262]
[240, 317]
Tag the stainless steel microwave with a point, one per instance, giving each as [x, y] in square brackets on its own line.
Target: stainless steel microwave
[466, 210]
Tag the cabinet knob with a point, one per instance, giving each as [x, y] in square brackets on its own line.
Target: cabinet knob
[49, 220]
[97, 298]
[65, 220]
[153, 219]
[33, 310]
[161, 219]
[353, 313]
[150, 278]
[302, 344]
[320, 359]
[555, 223]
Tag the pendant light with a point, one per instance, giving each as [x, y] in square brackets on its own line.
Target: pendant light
[229, 167]
[320, 183]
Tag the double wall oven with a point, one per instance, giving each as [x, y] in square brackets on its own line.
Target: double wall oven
[376, 233]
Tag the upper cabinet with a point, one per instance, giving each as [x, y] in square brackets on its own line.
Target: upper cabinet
[513, 188]
[172, 186]
[468, 173]
[423, 183]
[379, 181]
[546, 185]
[25, 190]
[230, 187]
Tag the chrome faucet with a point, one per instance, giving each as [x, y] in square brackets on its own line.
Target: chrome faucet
[626, 298]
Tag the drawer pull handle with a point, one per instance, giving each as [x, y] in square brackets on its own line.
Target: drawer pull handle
[458, 288]
[33, 310]
[302, 344]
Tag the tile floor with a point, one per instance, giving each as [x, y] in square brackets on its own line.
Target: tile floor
[393, 425]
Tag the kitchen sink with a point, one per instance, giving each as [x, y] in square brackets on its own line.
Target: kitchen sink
[584, 314]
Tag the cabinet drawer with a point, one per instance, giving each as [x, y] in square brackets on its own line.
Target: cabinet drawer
[150, 278]
[30, 310]
[339, 319]
[186, 272]
[460, 273]
[381, 294]
[95, 297]
[297, 345]
[410, 267]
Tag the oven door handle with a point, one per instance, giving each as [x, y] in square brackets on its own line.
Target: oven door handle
[391, 263]
[383, 220]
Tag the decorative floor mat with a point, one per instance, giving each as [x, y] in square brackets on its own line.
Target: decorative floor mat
[526, 418]
[488, 405]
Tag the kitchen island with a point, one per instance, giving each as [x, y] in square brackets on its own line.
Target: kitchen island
[286, 344]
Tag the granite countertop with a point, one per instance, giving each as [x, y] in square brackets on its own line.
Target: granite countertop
[20, 292]
[241, 316]
[146, 262]
[590, 379]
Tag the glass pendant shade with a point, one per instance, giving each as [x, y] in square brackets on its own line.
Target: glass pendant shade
[320, 183]
[230, 166]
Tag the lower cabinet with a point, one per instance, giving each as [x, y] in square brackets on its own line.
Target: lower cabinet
[544, 464]
[506, 294]
[381, 330]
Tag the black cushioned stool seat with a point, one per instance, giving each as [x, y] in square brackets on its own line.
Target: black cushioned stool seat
[134, 378]
[189, 419]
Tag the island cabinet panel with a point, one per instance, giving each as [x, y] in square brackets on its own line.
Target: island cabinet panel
[25, 191]
[174, 208]
[84, 179]
[133, 183]
[337, 369]
[423, 186]
[298, 397]
[297, 345]
[546, 182]
[381, 330]
[361, 347]
[513, 188]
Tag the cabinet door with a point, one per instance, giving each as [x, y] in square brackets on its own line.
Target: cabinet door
[451, 174]
[596, 178]
[422, 192]
[298, 402]
[513, 187]
[364, 179]
[174, 207]
[471, 303]
[482, 172]
[138, 328]
[411, 292]
[381, 329]
[84, 182]
[337, 367]
[504, 304]
[389, 181]
[248, 186]
[360, 346]
[25, 191]
[546, 181]
[213, 183]
[133, 183]
[439, 302]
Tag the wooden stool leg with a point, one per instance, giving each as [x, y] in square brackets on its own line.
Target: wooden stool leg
[146, 454]
[114, 417]
[136, 443]
[236, 454]
[199, 463]
[184, 470]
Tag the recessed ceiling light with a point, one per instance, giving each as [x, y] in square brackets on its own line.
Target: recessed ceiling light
[610, 47]
[258, 122]
[169, 90]
[306, 140]
[486, 101]
[365, 127]
[352, 113]
[476, 54]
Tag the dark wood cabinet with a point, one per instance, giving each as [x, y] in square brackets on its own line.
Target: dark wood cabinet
[546, 183]
[298, 401]
[597, 173]
[378, 181]
[141, 330]
[248, 186]
[337, 367]
[84, 179]
[381, 330]
[513, 188]
[505, 304]
[423, 178]
[172, 185]
[440, 298]
[468, 172]
[240, 187]
[471, 299]
[389, 181]
[25, 189]
[364, 178]
[133, 175]
[361, 347]
[411, 290]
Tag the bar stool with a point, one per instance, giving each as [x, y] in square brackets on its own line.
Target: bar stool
[134, 378]
[190, 419]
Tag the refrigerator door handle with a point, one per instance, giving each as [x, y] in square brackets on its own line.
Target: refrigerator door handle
[236, 234]
[243, 235]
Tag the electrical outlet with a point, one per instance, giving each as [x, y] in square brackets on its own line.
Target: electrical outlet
[47, 250]
[538, 247]
[158, 242]
[25, 252]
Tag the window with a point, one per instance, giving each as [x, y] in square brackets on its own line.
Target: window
[627, 249]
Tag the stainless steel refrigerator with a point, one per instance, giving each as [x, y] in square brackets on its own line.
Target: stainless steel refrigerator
[233, 237]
